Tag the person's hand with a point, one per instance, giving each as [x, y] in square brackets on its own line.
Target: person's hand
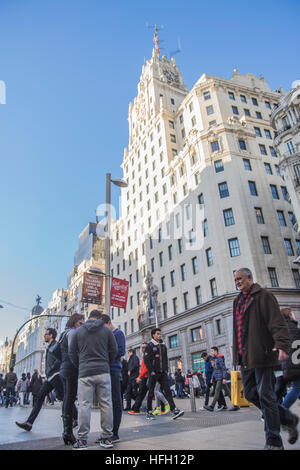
[152, 373]
[211, 381]
[138, 380]
[128, 372]
[282, 355]
[224, 381]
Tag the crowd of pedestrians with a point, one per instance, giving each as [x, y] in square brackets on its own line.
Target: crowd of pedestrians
[88, 364]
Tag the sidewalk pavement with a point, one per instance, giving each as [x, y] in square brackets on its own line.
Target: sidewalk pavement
[203, 430]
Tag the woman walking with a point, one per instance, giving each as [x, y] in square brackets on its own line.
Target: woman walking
[69, 377]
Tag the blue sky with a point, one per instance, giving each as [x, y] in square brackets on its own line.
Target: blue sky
[70, 68]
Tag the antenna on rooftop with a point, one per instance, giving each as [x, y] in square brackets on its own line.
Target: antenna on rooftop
[155, 38]
[172, 53]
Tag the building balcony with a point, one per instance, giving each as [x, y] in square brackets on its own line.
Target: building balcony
[146, 321]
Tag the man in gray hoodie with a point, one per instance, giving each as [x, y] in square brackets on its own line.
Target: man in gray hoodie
[92, 349]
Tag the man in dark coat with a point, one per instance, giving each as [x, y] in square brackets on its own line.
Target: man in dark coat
[260, 340]
[133, 364]
[52, 382]
[10, 384]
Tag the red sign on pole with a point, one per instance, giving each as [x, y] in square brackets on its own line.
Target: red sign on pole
[92, 289]
[118, 292]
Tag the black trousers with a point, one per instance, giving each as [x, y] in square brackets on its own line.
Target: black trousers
[46, 388]
[163, 379]
[141, 394]
[10, 393]
[69, 381]
[259, 389]
[131, 391]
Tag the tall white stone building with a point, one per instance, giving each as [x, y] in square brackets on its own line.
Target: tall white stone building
[285, 119]
[204, 198]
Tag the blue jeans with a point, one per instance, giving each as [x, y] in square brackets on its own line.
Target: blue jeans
[259, 389]
[293, 394]
[179, 390]
[116, 400]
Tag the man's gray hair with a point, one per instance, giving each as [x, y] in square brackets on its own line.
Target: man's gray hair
[245, 271]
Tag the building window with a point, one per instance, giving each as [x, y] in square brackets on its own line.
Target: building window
[173, 341]
[290, 147]
[254, 101]
[206, 95]
[197, 334]
[298, 246]
[201, 200]
[292, 218]
[247, 112]
[171, 124]
[247, 164]
[165, 310]
[172, 101]
[161, 258]
[198, 295]
[258, 115]
[262, 149]
[159, 235]
[191, 107]
[172, 276]
[268, 169]
[234, 247]
[252, 187]
[268, 104]
[209, 257]
[243, 99]
[218, 326]
[132, 325]
[266, 245]
[284, 193]
[272, 151]
[186, 300]
[213, 287]
[231, 95]
[281, 218]
[131, 302]
[170, 252]
[152, 265]
[242, 145]
[163, 284]
[223, 190]
[235, 110]
[273, 277]
[219, 166]
[183, 272]
[296, 277]
[228, 217]
[175, 307]
[257, 131]
[180, 245]
[193, 121]
[173, 138]
[215, 146]
[209, 110]
[195, 265]
[205, 227]
[274, 191]
[268, 134]
[289, 247]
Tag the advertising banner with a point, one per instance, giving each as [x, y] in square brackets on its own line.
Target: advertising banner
[118, 292]
[92, 289]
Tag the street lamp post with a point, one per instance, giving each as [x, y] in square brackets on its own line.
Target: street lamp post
[122, 184]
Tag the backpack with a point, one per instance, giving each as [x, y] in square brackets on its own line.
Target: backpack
[56, 351]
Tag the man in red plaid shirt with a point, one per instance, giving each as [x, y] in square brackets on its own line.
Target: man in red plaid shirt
[260, 340]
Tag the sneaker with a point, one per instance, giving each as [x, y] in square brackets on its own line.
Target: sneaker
[220, 408]
[234, 408]
[177, 413]
[132, 412]
[270, 447]
[106, 443]
[149, 415]
[80, 444]
[115, 438]
[292, 429]
[157, 411]
[167, 409]
[26, 426]
[208, 408]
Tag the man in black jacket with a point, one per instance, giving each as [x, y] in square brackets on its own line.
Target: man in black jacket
[133, 364]
[52, 382]
[156, 361]
[10, 384]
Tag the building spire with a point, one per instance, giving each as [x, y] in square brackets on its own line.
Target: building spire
[156, 41]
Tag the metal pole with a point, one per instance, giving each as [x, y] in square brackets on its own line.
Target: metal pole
[107, 243]
[192, 395]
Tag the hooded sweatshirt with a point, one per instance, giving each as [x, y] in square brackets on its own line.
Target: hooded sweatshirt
[92, 348]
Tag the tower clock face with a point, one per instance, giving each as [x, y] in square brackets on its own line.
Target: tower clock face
[171, 76]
